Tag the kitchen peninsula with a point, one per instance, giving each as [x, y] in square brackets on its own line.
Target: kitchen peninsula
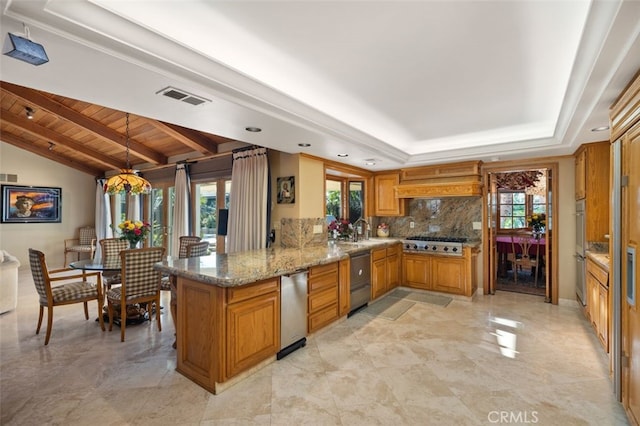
[229, 305]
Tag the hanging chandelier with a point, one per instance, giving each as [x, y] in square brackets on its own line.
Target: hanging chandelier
[127, 182]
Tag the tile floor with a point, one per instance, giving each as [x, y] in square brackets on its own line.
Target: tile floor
[431, 366]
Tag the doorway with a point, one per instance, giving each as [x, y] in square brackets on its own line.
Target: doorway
[518, 240]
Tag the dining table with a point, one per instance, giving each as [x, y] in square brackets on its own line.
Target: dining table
[504, 246]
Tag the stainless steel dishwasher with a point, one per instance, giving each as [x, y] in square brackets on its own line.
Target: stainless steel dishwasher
[360, 281]
[293, 313]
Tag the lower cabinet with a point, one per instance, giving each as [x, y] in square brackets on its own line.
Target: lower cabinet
[385, 270]
[323, 296]
[222, 332]
[598, 301]
[448, 274]
[253, 325]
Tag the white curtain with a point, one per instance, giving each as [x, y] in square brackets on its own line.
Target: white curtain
[133, 207]
[181, 209]
[247, 227]
[103, 217]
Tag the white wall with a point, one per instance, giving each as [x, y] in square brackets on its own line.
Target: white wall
[78, 205]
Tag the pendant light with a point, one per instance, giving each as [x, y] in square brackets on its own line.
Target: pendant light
[127, 182]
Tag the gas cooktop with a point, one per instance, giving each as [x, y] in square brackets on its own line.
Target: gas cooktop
[438, 239]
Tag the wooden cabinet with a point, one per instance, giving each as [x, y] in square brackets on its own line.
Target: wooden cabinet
[385, 202]
[581, 172]
[598, 301]
[449, 274]
[416, 268]
[225, 331]
[592, 185]
[323, 296]
[248, 344]
[385, 270]
[344, 285]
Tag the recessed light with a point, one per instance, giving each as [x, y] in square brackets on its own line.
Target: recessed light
[253, 129]
[304, 145]
[600, 129]
[369, 163]
[29, 112]
[343, 155]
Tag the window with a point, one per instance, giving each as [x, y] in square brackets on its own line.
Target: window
[512, 210]
[344, 195]
[207, 205]
[516, 206]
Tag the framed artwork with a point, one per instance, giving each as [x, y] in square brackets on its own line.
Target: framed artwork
[287, 190]
[31, 204]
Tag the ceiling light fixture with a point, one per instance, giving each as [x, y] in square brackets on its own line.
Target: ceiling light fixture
[369, 163]
[127, 182]
[253, 129]
[600, 129]
[343, 155]
[29, 112]
[304, 145]
[51, 145]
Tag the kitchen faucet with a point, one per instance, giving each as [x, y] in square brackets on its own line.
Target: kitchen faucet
[365, 229]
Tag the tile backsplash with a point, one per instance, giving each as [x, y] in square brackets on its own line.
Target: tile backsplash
[438, 217]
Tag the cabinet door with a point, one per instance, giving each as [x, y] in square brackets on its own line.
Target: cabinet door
[386, 204]
[581, 172]
[603, 316]
[592, 299]
[343, 292]
[448, 274]
[393, 271]
[253, 330]
[416, 269]
[378, 278]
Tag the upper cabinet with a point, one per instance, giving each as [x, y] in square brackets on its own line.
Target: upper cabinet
[462, 179]
[592, 185]
[386, 203]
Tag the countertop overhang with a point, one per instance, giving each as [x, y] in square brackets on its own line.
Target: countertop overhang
[236, 269]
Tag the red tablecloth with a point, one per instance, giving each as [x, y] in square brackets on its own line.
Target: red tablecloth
[503, 245]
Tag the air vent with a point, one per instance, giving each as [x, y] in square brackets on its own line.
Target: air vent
[8, 178]
[181, 95]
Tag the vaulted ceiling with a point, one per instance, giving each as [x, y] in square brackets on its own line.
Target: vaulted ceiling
[388, 83]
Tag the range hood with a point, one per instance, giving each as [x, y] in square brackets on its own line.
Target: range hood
[445, 180]
[438, 190]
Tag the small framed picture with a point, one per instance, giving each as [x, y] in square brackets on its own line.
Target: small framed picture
[287, 190]
[31, 204]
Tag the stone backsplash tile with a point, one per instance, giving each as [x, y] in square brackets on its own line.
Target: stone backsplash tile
[438, 217]
[298, 233]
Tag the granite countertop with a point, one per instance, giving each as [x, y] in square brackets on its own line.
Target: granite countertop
[235, 269]
[602, 259]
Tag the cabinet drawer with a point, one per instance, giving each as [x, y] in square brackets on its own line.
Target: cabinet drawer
[378, 254]
[323, 269]
[392, 251]
[322, 299]
[599, 274]
[323, 281]
[320, 319]
[237, 294]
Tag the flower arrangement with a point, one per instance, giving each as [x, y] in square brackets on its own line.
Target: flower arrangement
[538, 221]
[340, 228]
[134, 231]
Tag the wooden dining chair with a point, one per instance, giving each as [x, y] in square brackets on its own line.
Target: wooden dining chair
[521, 257]
[111, 248]
[140, 285]
[79, 290]
[85, 243]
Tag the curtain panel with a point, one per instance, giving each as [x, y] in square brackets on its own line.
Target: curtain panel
[181, 208]
[103, 216]
[247, 226]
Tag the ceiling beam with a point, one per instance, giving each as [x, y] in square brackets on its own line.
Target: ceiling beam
[49, 135]
[44, 102]
[194, 140]
[51, 155]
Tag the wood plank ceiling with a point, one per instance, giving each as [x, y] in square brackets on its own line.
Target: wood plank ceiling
[92, 138]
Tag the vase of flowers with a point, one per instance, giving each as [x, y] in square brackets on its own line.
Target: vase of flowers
[340, 229]
[537, 222]
[383, 230]
[134, 231]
